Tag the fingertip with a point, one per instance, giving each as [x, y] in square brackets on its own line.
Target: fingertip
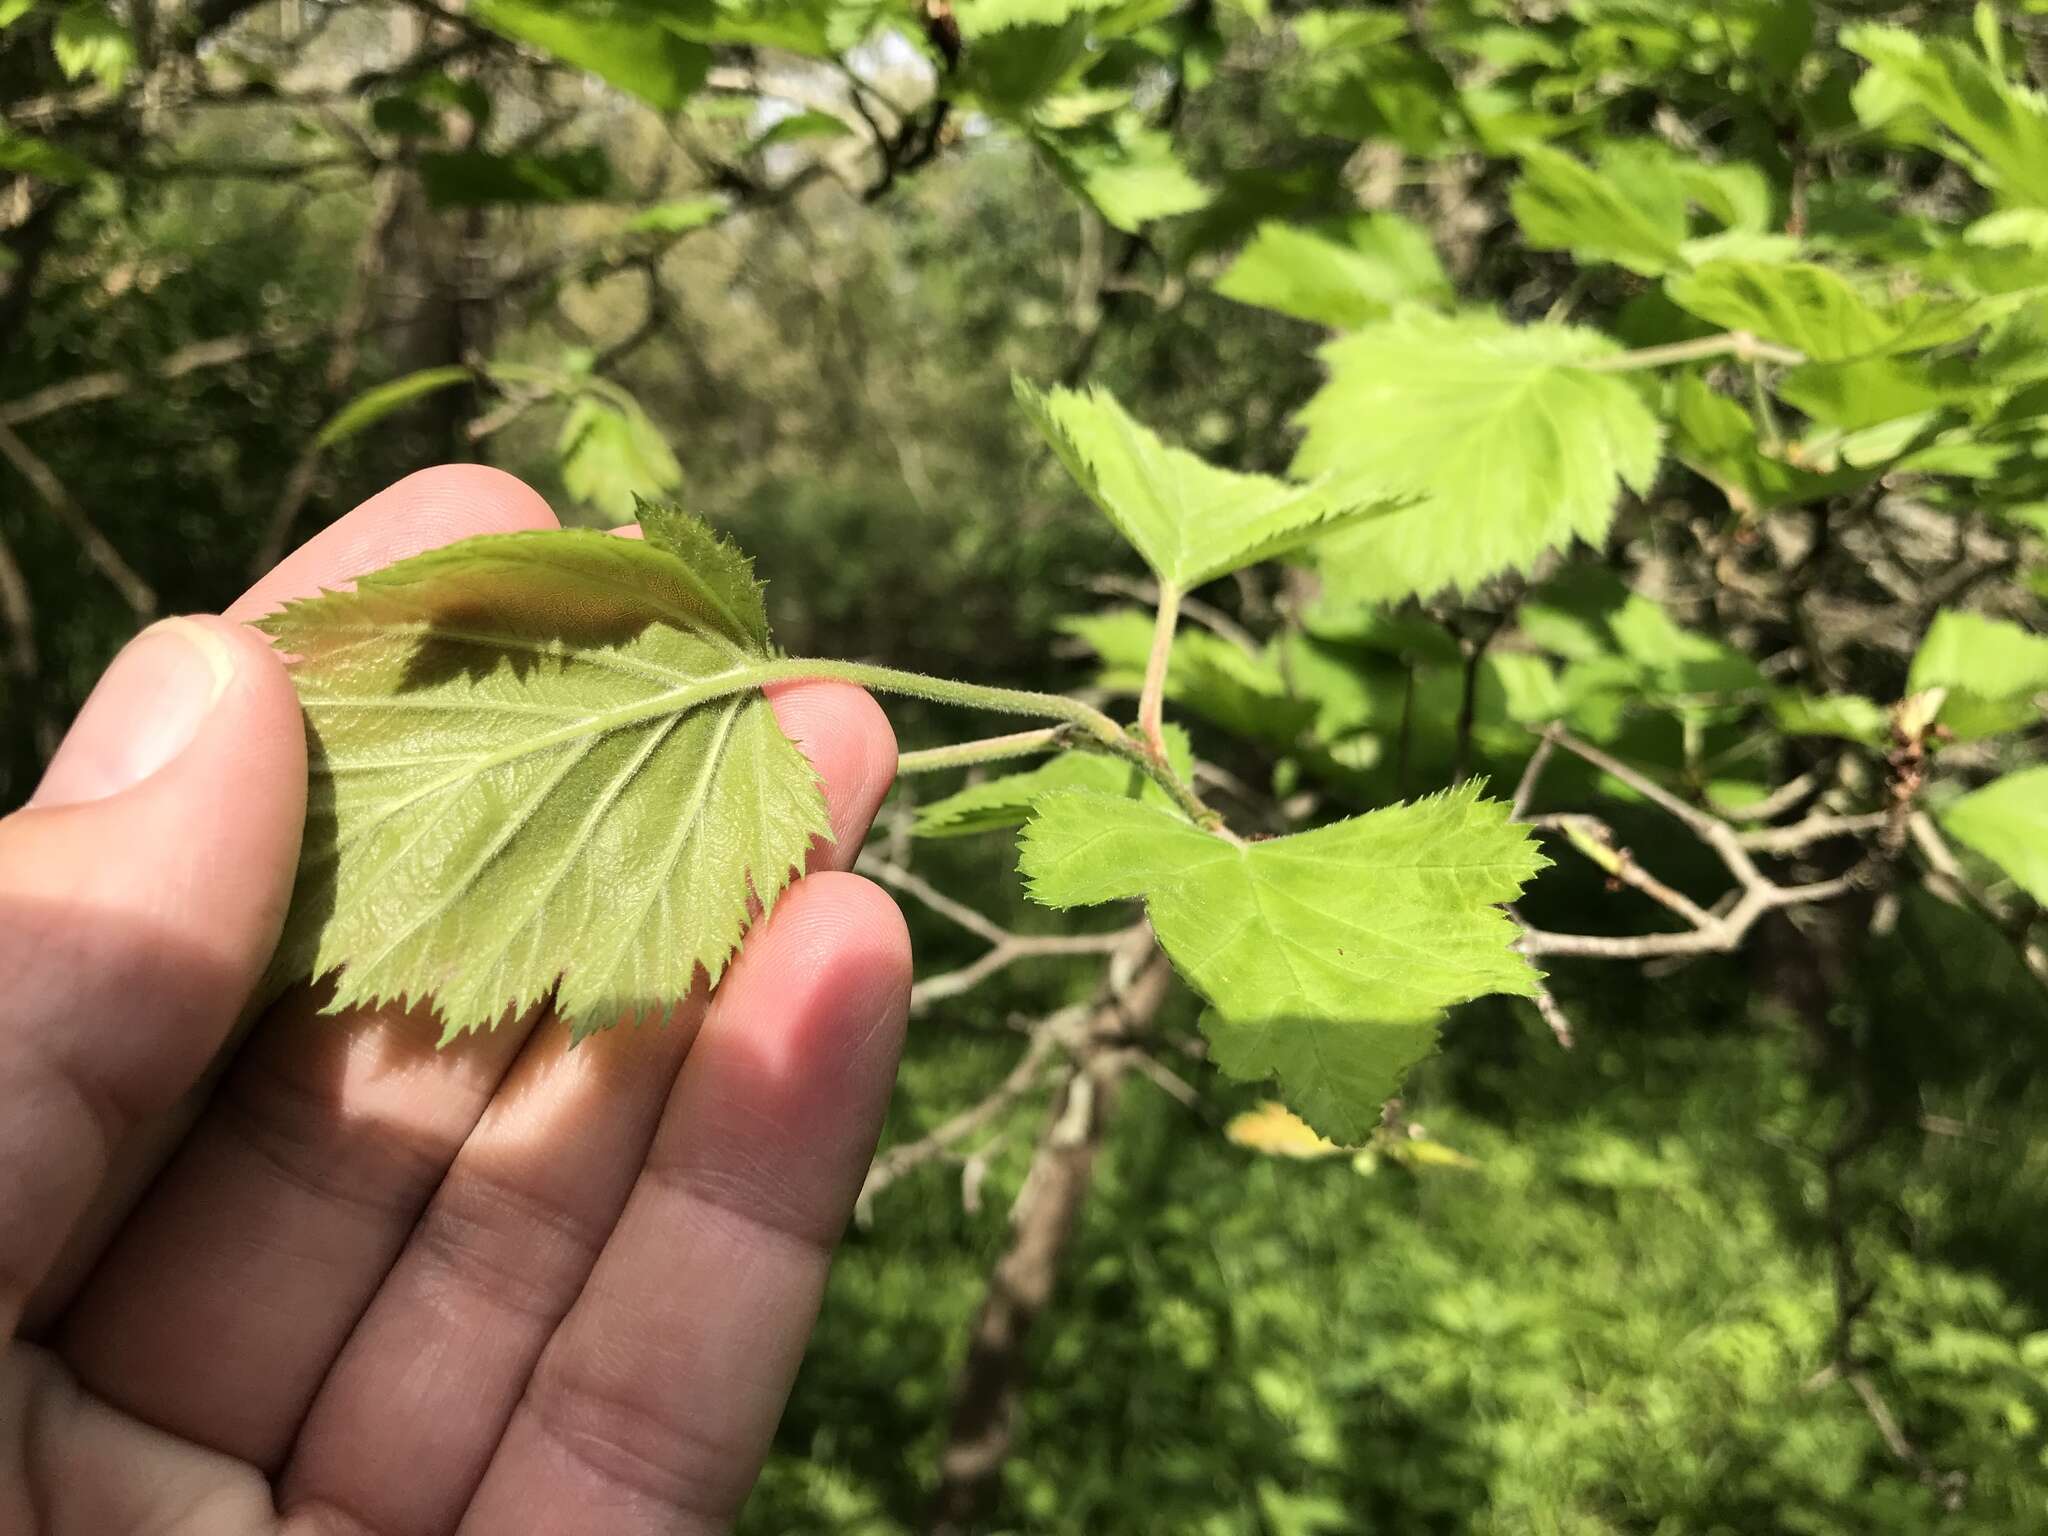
[850, 742]
[820, 993]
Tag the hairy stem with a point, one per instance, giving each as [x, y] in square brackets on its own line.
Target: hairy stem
[1152, 698]
[1085, 718]
[1740, 345]
[989, 749]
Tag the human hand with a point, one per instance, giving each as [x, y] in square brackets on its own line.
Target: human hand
[363, 1285]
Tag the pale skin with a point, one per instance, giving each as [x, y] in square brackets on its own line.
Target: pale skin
[376, 1289]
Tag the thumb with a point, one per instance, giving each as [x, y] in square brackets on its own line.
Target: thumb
[141, 892]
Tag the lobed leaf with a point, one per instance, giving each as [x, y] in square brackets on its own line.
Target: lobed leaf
[1384, 262]
[629, 46]
[1191, 521]
[1991, 668]
[2007, 822]
[1006, 801]
[1508, 443]
[541, 759]
[1327, 954]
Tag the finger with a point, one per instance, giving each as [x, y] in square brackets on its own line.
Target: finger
[330, 1126]
[421, 512]
[287, 1207]
[433, 506]
[407, 1419]
[140, 896]
[651, 1407]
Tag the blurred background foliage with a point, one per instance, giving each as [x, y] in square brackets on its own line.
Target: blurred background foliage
[1768, 1250]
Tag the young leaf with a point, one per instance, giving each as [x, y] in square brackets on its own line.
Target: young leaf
[1818, 311]
[1006, 801]
[1386, 261]
[635, 52]
[612, 455]
[90, 39]
[1190, 520]
[540, 757]
[1512, 446]
[379, 401]
[1239, 690]
[2007, 822]
[1563, 204]
[1991, 668]
[1131, 174]
[1939, 93]
[1327, 954]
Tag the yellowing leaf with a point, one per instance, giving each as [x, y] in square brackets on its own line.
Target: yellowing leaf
[1278, 1131]
[541, 758]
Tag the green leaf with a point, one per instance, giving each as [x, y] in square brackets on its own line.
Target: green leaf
[1938, 93]
[677, 218]
[538, 757]
[1513, 447]
[1130, 173]
[1006, 801]
[612, 455]
[40, 158]
[1563, 204]
[1226, 685]
[89, 39]
[1384, 262]
[981, 18]
[624, 45]
[12, 11]
[799, 126]
[1717, 439]
[1190, 520]
[473, 178]
[2007, 822]
[1991, 668]
[1849, 716]
[380, 400]
[1327, 954]
[1820, 312]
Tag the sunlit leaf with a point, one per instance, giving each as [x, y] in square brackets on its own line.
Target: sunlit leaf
[1383, 261]
[539, 758]
[2007, 822]
[624, 44]
[612, 455]
[1190, 520]
[1819, 312]
[1327, 954]
[1936, 91]
[1006, 800]
[1512, 446]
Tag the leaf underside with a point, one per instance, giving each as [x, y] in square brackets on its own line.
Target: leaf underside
[540, 763]
[1328, 954]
